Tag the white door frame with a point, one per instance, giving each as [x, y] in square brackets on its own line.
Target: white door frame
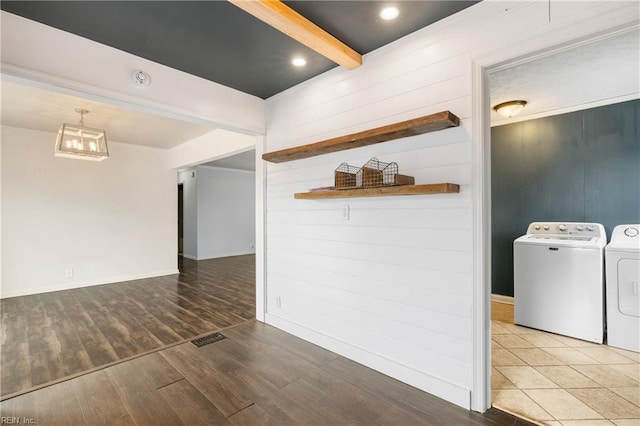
[481, 317]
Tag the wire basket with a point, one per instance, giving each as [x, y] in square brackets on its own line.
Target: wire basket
[378, 173]
[345, 177]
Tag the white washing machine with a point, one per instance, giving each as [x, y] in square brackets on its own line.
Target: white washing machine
[559, 279]
[622, 261]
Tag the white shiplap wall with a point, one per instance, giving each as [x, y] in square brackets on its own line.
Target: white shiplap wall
[393, 286]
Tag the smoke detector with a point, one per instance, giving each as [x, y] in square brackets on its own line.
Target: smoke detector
[141, 79]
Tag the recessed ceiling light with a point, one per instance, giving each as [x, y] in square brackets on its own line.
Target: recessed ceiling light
[299, 62]
[389, 13]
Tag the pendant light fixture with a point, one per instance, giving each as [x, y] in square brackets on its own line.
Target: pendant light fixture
[509, 109]
[82, 143]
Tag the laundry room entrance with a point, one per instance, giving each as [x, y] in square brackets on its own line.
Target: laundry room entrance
[565, 173]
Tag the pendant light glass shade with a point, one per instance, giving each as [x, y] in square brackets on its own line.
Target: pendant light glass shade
[83, 143]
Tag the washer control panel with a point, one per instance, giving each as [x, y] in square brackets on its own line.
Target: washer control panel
[568, 230]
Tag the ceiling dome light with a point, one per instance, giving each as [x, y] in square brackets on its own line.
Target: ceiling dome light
[389, 13]
[299, 62]
[509, 109]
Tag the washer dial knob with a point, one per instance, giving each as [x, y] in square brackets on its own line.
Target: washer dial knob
[546, 227]
[562, 227]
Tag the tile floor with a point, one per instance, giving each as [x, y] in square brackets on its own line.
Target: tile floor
[556, 380]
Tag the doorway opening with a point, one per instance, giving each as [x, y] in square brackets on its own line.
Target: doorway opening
[567, 130]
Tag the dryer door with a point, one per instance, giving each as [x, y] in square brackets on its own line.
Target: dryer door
[628, 287]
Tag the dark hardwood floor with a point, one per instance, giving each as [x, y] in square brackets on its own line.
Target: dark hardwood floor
[50, 336]
[119, 354]
[258, 375]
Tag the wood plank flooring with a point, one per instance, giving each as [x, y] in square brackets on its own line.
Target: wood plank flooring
[258, 375]
[116, 354]
[50, 336]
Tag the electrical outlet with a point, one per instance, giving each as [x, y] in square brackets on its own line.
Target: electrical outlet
[345, 212]
[68, 273]
[278, 302]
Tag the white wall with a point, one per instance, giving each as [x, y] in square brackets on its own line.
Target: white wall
[211, 146]
[226, 212]
[396, 287]
[189, 180]
[109, 221]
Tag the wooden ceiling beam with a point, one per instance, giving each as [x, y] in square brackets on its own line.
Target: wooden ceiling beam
[284, 19]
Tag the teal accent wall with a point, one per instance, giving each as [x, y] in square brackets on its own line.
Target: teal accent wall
[582, 166]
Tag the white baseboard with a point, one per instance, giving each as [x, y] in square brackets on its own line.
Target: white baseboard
[498, 298]
[39, 290]
[436, 386]
[231, 254]
[188, 256]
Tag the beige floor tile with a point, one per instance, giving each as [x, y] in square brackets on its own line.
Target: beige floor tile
[512, 341]
[570, 356]
[626, 422]
[497, 327]
[495, 345]
[545, 340]
[517, 329]
[561, 404]
[499, 381]
[607, 403]
[551, 423]
[606, 376]
[604, 354]
[629, 370]
[504, 357]
[517, 402]
[633, 356]
[575, 343]
[586, 423]
[525, 377]
[535, 356]
[630, 394]
[566, 377]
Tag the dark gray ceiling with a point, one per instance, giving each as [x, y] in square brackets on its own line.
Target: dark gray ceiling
[217, 41]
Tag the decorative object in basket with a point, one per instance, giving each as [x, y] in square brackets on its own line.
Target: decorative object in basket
[373, 174]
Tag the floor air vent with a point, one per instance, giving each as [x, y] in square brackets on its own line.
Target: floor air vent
[211, 338]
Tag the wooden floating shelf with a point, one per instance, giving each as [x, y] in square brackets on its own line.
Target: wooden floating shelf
[383, 191]
[417, 126]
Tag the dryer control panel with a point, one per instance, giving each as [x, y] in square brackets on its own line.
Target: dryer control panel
[626, 235]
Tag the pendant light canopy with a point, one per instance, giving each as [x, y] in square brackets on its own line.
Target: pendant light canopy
[83, 143]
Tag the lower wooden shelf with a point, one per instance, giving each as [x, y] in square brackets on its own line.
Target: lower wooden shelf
[383, 191]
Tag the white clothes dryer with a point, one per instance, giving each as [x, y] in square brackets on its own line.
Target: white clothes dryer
[622, 259]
